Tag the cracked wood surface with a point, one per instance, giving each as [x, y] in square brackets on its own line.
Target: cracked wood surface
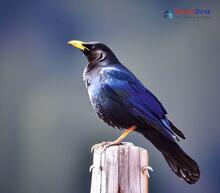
[119, 169]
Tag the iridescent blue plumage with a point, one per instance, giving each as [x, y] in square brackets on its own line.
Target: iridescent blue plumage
[122, 101]
[130, 101]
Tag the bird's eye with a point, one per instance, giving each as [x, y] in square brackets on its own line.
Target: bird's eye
[92, 47]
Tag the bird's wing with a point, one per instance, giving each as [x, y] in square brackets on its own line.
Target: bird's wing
[123, 87]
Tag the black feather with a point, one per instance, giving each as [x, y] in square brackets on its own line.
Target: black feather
[180, 163]
[177, 131]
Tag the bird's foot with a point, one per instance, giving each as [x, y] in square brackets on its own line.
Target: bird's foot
[104, 145]
[109, 144]
[146, 169]
[98, 145]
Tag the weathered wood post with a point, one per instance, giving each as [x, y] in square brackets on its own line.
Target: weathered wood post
[120, 169]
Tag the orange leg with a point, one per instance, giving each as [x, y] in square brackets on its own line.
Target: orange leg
[105, 145]
[124, 134]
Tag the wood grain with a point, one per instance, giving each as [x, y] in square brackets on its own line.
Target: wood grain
[118, 169]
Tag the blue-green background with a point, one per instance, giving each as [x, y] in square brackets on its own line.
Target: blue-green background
[47, 124]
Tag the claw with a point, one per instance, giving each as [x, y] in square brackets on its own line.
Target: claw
[97, 146]
[94, 147]
[104, 145]
[146, 169]
[91, 168]
[109, 144]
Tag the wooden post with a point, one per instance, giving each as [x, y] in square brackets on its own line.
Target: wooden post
[120, 169]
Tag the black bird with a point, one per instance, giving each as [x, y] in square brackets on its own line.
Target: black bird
[122, 101]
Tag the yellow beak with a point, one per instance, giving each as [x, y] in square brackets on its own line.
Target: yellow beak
[78, 44]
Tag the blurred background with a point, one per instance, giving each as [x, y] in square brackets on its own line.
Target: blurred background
[47, 124]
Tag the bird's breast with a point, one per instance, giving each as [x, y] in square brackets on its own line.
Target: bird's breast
[107, 109]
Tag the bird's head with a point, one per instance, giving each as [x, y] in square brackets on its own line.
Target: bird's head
[95, 51]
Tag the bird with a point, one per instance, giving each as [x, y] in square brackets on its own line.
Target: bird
[122, 101]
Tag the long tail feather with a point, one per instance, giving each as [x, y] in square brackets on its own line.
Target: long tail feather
[181, 164]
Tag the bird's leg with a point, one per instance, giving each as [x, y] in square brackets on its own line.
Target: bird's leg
[105, 145]
[123, 135]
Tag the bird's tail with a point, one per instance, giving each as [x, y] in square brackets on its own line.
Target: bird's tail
[181, 164]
